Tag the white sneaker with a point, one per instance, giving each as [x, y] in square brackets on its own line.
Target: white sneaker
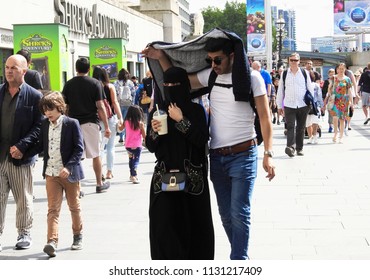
[134, 180]
[346, 132]
[310, 141]
[314, 141]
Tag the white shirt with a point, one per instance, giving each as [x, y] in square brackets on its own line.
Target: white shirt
[232, 122]
[295, 89]
[55, 162]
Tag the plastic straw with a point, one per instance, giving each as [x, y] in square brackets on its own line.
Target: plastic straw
[157, 109]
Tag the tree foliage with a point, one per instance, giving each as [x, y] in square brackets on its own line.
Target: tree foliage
[231, 18]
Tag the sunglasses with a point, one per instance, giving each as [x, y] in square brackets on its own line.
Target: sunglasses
[217, 60]
[294, 60]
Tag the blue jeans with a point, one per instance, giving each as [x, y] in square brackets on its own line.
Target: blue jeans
[133, 159]
[124, 110]
[233, 178]
[109, 148]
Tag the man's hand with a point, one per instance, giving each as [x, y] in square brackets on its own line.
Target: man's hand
[269, 167]
[15, 153]
[153, 53]
[281, 112]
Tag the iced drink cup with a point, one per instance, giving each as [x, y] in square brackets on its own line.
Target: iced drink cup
[161, 116]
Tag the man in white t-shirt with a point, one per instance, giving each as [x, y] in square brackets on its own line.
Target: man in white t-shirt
[233, 145]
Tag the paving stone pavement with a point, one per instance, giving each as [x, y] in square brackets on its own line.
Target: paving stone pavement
[316, 208]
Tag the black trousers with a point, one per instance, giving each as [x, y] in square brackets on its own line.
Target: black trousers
[295, 119]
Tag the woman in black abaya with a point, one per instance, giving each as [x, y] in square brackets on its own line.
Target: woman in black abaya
[181, 224]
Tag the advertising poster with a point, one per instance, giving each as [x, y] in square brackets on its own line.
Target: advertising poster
[256, 32]
[109, 54]
[350, 15]
[47, 44]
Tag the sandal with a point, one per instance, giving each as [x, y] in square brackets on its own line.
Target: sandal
[109, 176]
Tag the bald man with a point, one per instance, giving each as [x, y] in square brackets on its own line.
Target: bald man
[20, 123]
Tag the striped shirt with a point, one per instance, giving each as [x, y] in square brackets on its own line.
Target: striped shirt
[295, 89]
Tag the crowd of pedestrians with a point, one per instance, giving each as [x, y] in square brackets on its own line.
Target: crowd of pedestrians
[91, 115]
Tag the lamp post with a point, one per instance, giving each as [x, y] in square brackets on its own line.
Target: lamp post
[72, 50]
[280, 28]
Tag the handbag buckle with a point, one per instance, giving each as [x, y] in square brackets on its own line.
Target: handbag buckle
[172, 182]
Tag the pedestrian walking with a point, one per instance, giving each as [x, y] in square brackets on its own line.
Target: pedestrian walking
[110, 94]
[61, 141]
[135, 134]
[233, 145]
[84, 98]
[19, 130]
[292, 88]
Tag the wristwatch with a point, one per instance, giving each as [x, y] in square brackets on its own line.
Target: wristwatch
[268, 153]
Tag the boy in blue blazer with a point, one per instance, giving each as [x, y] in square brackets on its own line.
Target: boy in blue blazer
[62, 143]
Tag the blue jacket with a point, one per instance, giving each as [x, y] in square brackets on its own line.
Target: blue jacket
[27, 121]
[71, 147]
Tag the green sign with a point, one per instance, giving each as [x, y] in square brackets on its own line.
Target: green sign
[48, 45]
[109, 54]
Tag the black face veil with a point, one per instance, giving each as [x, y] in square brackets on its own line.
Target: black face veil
[176, 87]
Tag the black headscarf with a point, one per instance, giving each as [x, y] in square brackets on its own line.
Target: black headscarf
[179, 94]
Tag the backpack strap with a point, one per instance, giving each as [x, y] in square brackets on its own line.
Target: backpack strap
[303, 73]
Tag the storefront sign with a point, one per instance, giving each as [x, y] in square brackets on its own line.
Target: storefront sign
[6, 39]
[89, 22]
[106, 52]
[36, 43]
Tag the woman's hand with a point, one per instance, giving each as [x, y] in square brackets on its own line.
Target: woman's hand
[156, 125]
[175, 112]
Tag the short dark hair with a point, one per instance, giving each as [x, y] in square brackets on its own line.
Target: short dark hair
[82, 65]
[52, 100]
[219, 44]
[26, 54]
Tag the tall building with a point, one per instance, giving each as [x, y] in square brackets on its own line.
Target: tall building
[290, 40]
[184, 15]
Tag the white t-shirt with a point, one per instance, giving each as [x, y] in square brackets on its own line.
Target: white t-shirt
[232, 122]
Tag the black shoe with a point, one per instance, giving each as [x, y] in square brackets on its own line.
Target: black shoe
[289, 151]
[367, 121]
[300, 153]
[274, 120]
[103, 188]
[319, 131]
[278, 122]
[77, 242]
[82, 194]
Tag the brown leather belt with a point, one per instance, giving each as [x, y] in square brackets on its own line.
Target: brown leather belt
[238, 148]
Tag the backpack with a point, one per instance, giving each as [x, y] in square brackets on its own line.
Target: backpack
[124, 96]
[286, 72]
[257, 124]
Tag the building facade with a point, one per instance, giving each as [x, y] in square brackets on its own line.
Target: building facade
[87, 19]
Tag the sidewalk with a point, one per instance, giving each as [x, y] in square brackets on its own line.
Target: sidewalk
[317, 207]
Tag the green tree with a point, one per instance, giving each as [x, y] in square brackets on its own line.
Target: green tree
[232, 18]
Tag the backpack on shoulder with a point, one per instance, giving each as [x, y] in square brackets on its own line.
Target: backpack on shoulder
[124, 96]
[257, 124]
